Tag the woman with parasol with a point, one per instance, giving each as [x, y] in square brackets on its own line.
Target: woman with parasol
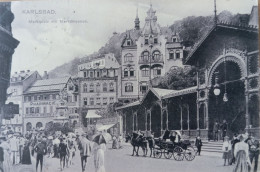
[98, 150]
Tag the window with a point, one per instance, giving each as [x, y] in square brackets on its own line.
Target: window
[146, 41]
[98, 87]
[44, 110]
[104, 73]
[174, 39]
[178, 55]
[171, 55]
[98, 74]
[69, 99]
[85, 74]
[155, 40]
[85, 101]
[111, 99]
[128, 57]
[128, 43]
[27, 110]
[32, 110]
[156, 55]
[104, 87]
[46, 97]
[41, 97]
[91, 74]
[145, 56]
[25, 98]
[91, 88]
[75, 98]
[132, 72]
[145, 72]
[128, 87]
[57, 96]
[51, 97]
[157, 71]
[85, 88]
[111, 87]
[104, 101]
[125, 72]
[143, 89]
[37, 110]
[71, 88]
[91, 101]
[29, 98]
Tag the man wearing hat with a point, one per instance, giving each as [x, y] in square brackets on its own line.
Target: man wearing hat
[254, 151]
[85, 150]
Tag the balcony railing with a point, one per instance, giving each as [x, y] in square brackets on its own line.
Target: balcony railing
[155, 59]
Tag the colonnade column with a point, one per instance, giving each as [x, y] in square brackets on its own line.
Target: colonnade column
[207, 113]
[181, 118]
[247, 101]
[145, 119]
[150, 119]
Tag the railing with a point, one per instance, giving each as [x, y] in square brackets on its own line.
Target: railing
[42, 115]
[146, 60]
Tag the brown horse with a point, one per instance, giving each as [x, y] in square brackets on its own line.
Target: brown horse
[138, 141]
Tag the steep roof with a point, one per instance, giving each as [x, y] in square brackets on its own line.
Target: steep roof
[48, 85]
[254, 16]
[21, 76]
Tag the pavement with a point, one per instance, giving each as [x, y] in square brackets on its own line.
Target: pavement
[120, 160]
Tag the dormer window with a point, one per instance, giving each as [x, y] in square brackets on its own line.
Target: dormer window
[155, 40]
[174, 39]
[146, 41]
[128, 42]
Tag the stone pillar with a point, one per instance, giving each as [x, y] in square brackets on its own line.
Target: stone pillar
[167, 119]
[247, 101]
[198, 120]
[145, 119]
[161, 117]
[150, 120]
[207, 113]
[133, 120]
[181, 118]
[188, 119]
[136, 121]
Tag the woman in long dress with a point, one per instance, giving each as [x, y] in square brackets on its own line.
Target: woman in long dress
[26, 159]
[7, 165]
[99, 158]
[242, 156]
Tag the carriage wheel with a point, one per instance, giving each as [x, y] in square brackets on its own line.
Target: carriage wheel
[190, 153]
[157, 153]
[167, 153]
[178, 153]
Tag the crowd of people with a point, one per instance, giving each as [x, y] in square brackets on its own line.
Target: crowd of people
[220, 130]
[16, 149]
[242, 151]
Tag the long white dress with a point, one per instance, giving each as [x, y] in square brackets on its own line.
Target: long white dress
[7, 165]
[99, 158]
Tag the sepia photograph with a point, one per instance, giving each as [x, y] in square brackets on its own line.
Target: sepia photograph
[129, 86]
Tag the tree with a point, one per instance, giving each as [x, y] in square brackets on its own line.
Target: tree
[109, 111]
[178, 78]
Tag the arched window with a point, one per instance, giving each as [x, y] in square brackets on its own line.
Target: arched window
[28, 126]
[111, 87]
[85, 88]
[145, 56]
[39, 125]
[157, 71]
[104, 87]
[128, 57]
[132, 72]
[129, 87]
[156, 55]
[177, 54]
[145, 72]
[98, 87]
[171, 54]
[91, 87]
[126, 72]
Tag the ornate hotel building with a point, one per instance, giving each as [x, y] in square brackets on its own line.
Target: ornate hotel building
[147, 54]
[49, 100]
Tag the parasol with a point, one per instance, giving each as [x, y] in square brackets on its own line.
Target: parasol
[102, 138]
[71, 135]
[178, 132]
[50, 137]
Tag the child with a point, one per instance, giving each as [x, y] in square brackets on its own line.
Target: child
[226, 148]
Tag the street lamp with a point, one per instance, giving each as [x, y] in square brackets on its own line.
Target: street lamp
[216, 86]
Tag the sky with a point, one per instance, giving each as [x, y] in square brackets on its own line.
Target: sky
[43, 46]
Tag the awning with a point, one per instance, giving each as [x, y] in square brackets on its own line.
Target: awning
[92, 114]
[105, 127]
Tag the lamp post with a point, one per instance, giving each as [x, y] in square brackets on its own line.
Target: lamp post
[150, 59]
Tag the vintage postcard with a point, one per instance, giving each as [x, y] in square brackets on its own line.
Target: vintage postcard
[129, 86]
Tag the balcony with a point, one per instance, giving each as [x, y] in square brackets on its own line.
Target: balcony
[145, 59]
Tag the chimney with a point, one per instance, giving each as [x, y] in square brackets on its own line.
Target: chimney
[22, 71]
[45, 75]
[28, 70]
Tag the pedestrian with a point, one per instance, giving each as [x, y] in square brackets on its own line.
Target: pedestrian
[215, 131]
[120, 139]
[99, 158]
[224, 129]
[233, 143]
[56, 143]
[226, 148]
[41, 150]
[254, 151]
[198, 144]
[63, 149]
[21, 147]
[14, 146]
[115, 143]
[85, 150]
[7, 164]
[242, 155]
[26, 156]
[1, 157]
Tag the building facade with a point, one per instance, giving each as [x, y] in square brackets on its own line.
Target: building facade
[98, 82]
[147, 54]
[50, 100]
[7, 45]
[19, 82]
